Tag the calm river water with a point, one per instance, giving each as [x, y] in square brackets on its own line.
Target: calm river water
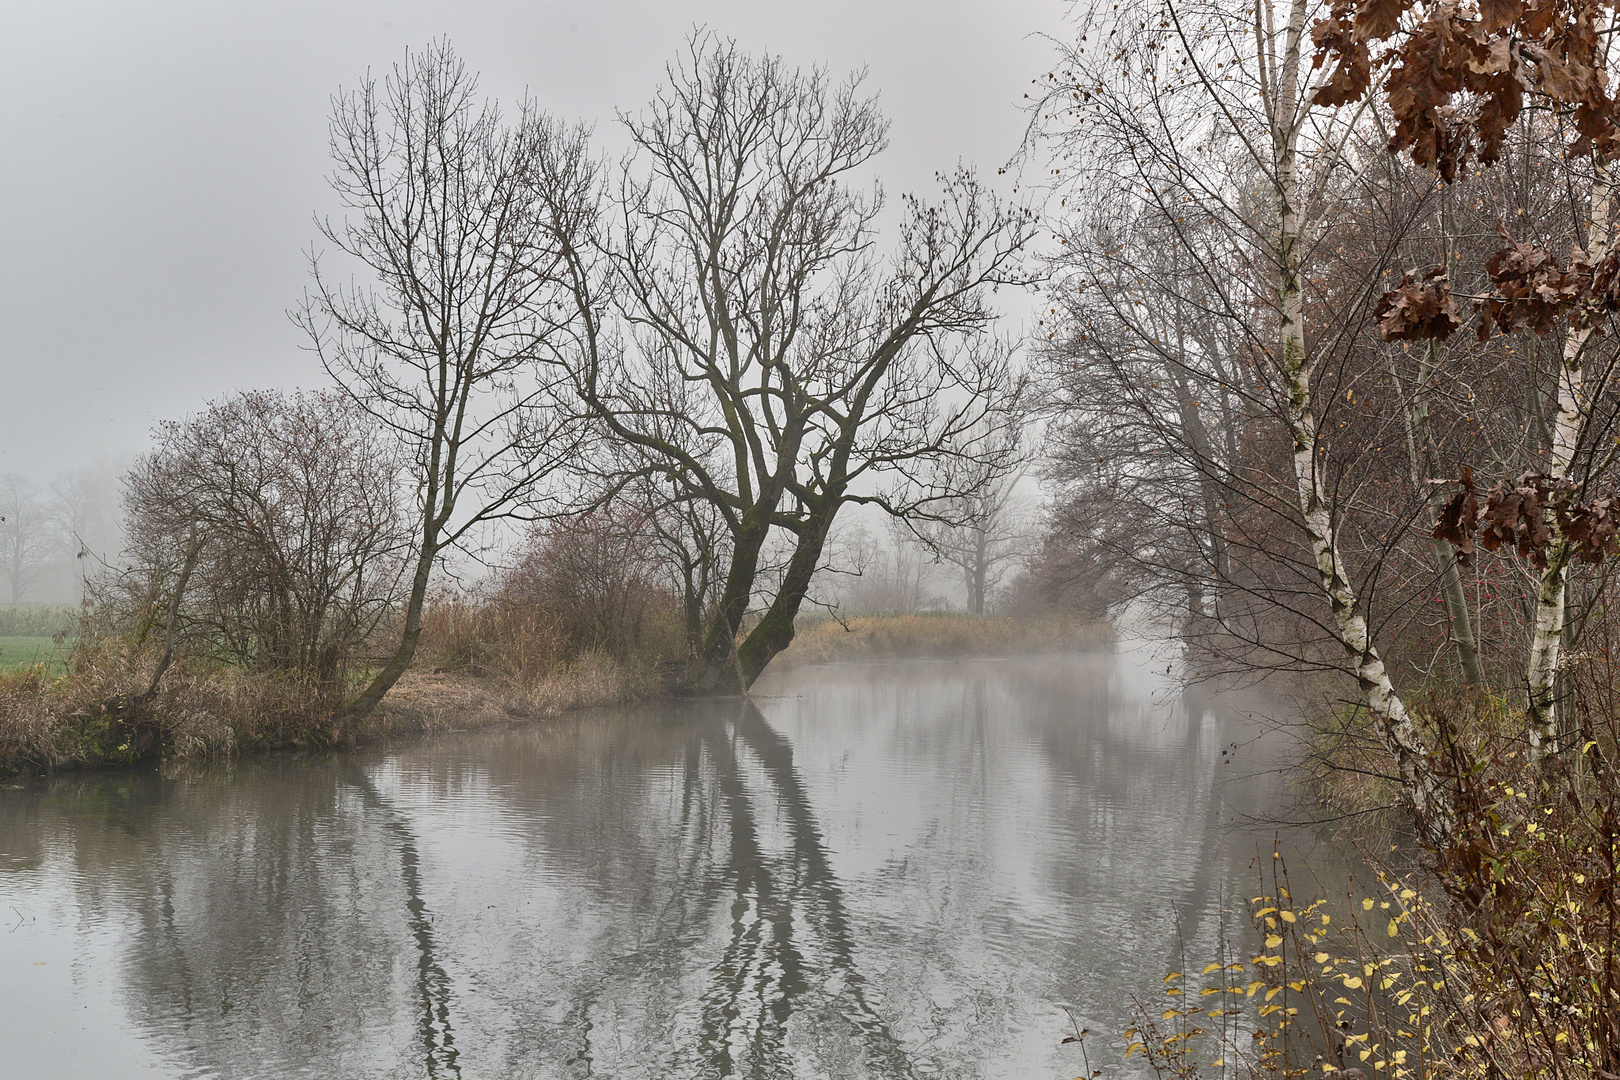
[886, 870]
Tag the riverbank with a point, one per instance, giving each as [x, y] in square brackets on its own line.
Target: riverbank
[94, 716]
[96, 705]
[940, 635]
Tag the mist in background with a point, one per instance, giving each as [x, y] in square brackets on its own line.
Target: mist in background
[166, 160]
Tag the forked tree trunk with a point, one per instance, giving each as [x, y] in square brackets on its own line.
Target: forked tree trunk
[774, 631]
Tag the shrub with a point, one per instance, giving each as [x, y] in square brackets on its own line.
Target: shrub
[597, 581]
[1497, 960]
[279, 520]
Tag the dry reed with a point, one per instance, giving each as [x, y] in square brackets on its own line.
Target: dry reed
[939, 635]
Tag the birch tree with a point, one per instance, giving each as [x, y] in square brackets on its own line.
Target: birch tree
[1206, 111]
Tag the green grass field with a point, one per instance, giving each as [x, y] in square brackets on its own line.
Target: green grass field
[16, 652]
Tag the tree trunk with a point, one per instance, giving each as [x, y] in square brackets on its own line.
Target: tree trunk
[384, 680]
[1399, 734]
[978, 573]
[775, 630]
[1426, 467]
[718, 669]
[1568, 427]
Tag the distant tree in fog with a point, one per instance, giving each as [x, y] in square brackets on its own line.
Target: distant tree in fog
[26, 537]
[973, 523]
[84, 508]
[863, 573]
[438, 338]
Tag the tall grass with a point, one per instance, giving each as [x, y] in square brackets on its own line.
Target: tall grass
[38, 620]
[100, 711]
[943, 634]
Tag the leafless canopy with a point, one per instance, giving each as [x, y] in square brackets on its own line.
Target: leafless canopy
[271, 528]
[741, 342]
[440, 337]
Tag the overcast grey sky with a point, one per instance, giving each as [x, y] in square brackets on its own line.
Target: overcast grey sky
[163, 162]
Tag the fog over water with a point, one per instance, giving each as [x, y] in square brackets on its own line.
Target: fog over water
[165, 161]
[874, 870]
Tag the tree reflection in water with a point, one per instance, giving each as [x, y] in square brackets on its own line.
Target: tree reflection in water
[787, 925]
[654, 894]
[432, 984]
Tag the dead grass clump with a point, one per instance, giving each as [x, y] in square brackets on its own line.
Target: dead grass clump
[441, 700]
[592, 681]
[938, 635]
[100, 711]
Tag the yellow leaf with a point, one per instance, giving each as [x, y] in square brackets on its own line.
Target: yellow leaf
[1353, 983]
[1131, 1049]
[1393, 929]
[1367, 904]
[1211, 967]
[1172, 975]
[1287, 916]
[1273, 941]
[1321, 958]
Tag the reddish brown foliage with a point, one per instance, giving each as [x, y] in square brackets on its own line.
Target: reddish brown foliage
[1493, 53]
[1457, 519]
[1515, 515]
[1531, 290]
[1417, 311]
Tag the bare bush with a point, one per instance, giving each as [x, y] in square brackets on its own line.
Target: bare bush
[288, 512]
[598, 581]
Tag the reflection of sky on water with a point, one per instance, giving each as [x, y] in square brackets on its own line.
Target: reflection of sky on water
[883, 870]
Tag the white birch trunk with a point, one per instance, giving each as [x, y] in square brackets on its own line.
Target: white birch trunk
[1569, 425]
[1395, 727]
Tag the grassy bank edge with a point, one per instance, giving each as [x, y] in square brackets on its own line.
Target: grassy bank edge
[79, 715]
[939, 636]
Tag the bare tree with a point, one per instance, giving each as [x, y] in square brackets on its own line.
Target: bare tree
[270, 529]
[1200, 139]
[1238, 222]
[84, 506]
[738, 335]
[866, 572]
[26, 539]
[974, 523]
[440, 340]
